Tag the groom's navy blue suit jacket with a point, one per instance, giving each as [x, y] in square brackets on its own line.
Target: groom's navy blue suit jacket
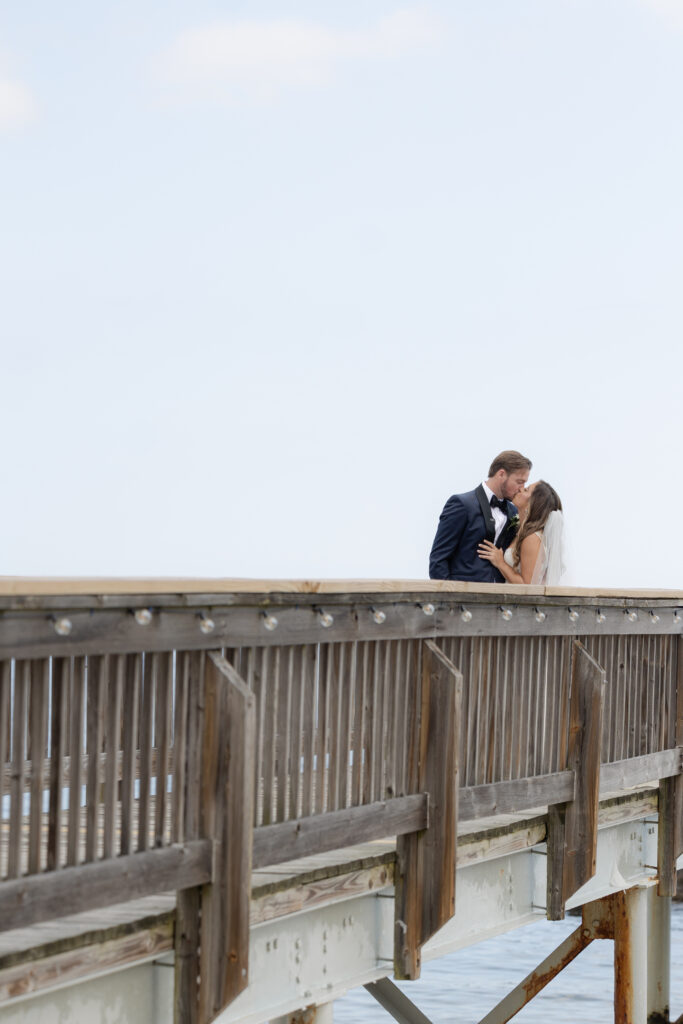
[465, 522]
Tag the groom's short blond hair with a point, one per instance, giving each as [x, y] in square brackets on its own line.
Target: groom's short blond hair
[509, 461]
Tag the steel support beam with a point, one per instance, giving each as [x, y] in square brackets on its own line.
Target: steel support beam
[396, 1002]
[658, 957]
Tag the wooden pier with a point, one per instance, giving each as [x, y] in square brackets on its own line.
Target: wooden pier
[237, 800]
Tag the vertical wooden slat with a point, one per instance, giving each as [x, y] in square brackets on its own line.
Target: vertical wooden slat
[270, 663]
[670, 830]
[5, 704]
[398, 716]
[77, 689]
[365, 724]
[338, 664]
[180, 716]
[112, 748]
[296, 728]
[284, 729]
[309, 667]
[129, 748]
[146, 734]
[22, 683]
[97, 684]
[162, 742]
[377, 706]
[61, 671]
[39, 683]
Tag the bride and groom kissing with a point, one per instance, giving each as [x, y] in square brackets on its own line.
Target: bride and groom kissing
[505, 530]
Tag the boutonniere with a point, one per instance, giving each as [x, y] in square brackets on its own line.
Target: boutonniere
[513, 523]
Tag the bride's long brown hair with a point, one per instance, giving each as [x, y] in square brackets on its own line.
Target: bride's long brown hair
[544, 500]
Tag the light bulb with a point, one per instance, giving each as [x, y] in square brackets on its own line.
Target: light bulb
[379, 616]
[654, 618]
[428, 609]
[632, 616]
[506, 613]
[270, 622]
[63, 627]
[326, 619]
[677, 619]
[600, 617]
[466, 615]
[206, 625]
[143, 616]
[573, 615]
[540, 615]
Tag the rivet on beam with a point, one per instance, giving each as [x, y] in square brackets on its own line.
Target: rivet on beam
[206, 624]
[378, 615]
[506, 613]
[270, 622]
[632, 616]
[539, 615]
[428, 609]
[326, 619]
[654, 618]
[465, 614]
[62, 626]
[143, 616]
[600, 617]
[573, 615]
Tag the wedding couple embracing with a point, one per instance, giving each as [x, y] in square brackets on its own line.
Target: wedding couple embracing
[505, 530]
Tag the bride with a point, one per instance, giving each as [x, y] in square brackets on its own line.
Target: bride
[536, 555]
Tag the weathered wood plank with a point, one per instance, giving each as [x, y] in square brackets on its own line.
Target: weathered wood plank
[425, 883]
[96, 669]
[37, 724]
[514, 795]
[573, 827]
[129, 744]
[227, 812]
[275, 844]
[35, 898]
[22, 683]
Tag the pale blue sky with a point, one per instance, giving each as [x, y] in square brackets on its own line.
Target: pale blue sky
[280, 277]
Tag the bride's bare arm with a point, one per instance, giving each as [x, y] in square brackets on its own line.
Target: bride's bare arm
[528, 556]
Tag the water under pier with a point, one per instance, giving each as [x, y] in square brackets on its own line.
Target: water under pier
[237, 800]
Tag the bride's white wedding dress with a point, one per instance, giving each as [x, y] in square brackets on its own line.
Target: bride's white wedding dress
[550, 565]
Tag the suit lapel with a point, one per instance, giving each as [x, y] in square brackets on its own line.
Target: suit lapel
[505, 535]
[486, 512]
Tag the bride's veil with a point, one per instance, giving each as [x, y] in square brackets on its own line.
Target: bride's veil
[551, 562]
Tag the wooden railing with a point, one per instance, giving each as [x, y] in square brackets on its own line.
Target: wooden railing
[175, 741]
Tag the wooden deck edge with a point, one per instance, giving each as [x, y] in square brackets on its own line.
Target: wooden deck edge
[65, 961]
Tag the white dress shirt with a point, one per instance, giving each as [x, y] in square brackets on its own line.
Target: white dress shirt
[499, 517]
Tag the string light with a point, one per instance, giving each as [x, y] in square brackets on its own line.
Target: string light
[206, 625]
[326, 619]
[600, 617]
[506, 613]
[270, 622]
[654, 618]
[63, 626]
[379, 616]
[632, 616]
[465, 614]
[540, 616]
[143, 616]
[573, 615]
[428, 609]
[677, 619]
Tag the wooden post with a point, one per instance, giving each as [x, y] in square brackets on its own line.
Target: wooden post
[425, 887]
[670, 830]
[573, 827]
[212, 923]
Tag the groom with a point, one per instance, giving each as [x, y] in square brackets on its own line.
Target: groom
[486, 513]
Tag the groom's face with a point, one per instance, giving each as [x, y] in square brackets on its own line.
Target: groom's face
[514, 482]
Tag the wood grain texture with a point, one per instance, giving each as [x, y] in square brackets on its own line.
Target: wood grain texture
[425, 883]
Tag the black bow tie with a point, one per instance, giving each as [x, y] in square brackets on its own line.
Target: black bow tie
[500, 503]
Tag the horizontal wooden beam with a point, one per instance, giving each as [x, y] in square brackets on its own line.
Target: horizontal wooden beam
[44, 897]
[80, 631]
[275, 844]
[635, 771]
[515, 795]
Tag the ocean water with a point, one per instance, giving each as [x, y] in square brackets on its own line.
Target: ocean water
[463, 987]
